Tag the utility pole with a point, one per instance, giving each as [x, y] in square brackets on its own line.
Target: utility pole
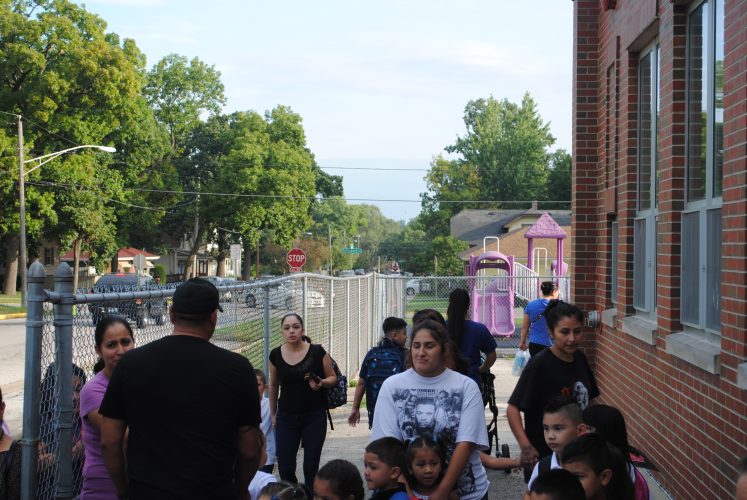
[22, 221]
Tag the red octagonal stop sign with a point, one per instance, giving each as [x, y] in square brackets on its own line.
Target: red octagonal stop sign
[296, 258]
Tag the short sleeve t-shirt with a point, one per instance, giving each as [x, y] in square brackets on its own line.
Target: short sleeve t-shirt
[295, 394]
[546, 376]
[447, 408]
[90, 400]
[183, 400]
[538, 333]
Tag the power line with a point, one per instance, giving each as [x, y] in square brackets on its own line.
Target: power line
[291, 197]
[380, 169]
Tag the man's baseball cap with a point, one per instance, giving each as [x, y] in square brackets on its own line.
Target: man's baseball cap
[196, 296]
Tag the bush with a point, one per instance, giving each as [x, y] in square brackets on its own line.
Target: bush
[159, 271]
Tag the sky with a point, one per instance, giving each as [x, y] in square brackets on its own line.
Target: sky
[379, 85]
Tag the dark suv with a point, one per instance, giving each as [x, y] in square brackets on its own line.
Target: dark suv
[137, 310]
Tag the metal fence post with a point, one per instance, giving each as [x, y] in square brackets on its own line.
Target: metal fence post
[331, 312]
[32, 379]
[361, 310]
[305, 295]
[266, 357]
[63, 334]
[347, 327]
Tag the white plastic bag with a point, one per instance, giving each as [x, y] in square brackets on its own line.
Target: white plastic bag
[520, 361]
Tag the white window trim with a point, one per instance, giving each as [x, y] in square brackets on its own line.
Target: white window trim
[650, 215]
[710, 202]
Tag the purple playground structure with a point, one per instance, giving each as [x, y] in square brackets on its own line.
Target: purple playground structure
[546, 227]
[493, 300]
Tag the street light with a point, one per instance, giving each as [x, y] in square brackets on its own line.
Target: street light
[22, 193]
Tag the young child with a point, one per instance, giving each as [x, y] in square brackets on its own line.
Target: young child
[283, 490]
[425, 466]
[260, 479]
[381, 362]
[608, 422]
[338, 480]
[599, 466]
[562, 422]
[384, 464]
[266, 425]
[557, 484]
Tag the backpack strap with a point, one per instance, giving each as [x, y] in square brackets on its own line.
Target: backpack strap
[329, 417]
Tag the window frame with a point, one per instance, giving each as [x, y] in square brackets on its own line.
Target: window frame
[711, 202]
[647, 307]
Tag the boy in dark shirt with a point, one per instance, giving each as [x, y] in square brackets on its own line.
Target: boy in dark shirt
[383, 464]
[381, 362]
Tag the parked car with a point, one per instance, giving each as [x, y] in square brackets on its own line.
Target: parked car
[219, 281]
[347, 273]
[360, 272]
[139, 310]
[283, 294]
[416, 286]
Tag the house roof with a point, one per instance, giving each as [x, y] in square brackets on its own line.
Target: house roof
[128, 253]
[545, 227]
[69, 256]
[473, 225]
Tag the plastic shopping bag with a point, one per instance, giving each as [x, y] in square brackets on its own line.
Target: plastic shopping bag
[520, 361]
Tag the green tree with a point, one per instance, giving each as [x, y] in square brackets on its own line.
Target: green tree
[448, 181]
[559, 179]
[61, 70]
[507, 144]
[180, 91]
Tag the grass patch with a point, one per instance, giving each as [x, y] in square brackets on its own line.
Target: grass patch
[5, 309]
[14, 298]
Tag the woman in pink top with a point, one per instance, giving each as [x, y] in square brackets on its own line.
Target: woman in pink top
[113, 338]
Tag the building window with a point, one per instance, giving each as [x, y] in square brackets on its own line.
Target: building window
[701, 219]
[48, 256]
[644, 226]
[613, 258]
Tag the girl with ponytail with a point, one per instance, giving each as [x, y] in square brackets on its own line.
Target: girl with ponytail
[113, 338]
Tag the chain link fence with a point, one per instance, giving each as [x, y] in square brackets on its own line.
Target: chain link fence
[342, 314]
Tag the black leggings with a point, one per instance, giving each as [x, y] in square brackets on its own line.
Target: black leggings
[290, 431]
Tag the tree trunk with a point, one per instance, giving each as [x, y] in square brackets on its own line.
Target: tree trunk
[11, 265]
[76, 263]
[222, 253]
[195, 247]
[247, 262]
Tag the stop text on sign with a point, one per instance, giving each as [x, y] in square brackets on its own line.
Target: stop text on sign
[296, 258]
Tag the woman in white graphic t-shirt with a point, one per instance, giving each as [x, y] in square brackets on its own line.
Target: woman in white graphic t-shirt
[442, 405]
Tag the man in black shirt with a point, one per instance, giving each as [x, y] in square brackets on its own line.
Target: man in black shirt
[191, 408]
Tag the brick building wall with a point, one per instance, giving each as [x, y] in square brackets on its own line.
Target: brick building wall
[682, 389]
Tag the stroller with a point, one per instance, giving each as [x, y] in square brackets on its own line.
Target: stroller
[488, 399]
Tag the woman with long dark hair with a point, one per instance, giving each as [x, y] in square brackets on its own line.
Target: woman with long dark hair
[113, 338]
[472, 338]
[430, 400]
[561, 370]
[299, 371]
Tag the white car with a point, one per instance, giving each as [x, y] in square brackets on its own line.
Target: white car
[283, 295]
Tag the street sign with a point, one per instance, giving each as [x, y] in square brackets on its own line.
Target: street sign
[139, 262]
[235, 252]
[296, 258]
[352, 250]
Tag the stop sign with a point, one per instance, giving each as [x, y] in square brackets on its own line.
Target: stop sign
[296, 258]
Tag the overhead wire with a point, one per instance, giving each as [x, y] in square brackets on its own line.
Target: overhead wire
[275, 196]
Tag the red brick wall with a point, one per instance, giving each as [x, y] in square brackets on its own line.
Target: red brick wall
[692, 423]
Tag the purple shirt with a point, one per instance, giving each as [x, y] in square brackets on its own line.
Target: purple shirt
[90, 400]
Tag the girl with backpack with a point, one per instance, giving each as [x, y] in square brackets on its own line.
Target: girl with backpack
[299, 371]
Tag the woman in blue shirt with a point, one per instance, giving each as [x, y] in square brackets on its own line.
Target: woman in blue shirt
[535, 325]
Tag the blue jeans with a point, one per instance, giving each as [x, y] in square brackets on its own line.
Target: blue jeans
[292, 429]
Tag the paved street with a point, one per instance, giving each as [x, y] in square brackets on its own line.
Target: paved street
[12, 354]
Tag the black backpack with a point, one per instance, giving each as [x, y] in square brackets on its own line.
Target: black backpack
[338, 395]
